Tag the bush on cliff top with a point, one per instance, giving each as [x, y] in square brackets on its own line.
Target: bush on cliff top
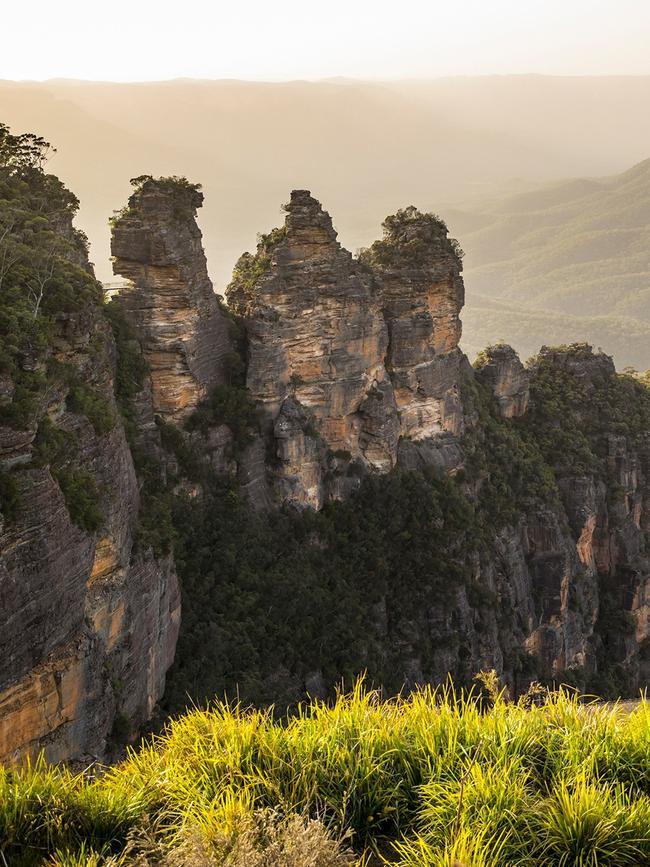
[578, 403]
[409, 237]
[426, 780]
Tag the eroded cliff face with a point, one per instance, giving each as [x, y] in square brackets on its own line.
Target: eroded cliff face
[357, 365]
[603, 477]
[168, 296]
[419, 271]
[347, 356]
[501, 369]
[89, 620]
[539, 565]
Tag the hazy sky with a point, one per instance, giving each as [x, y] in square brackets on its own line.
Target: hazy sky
[125, 40]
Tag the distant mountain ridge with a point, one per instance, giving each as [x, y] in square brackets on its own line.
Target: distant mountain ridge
[568, 261]
[368, 148]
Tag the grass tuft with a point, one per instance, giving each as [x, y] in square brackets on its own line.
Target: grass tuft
[438, 778]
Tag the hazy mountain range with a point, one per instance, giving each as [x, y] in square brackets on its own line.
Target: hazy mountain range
[476, 150]
[564, 262]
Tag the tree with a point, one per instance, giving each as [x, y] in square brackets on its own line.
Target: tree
[24, 151]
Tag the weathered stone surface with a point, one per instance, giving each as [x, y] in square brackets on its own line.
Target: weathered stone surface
[169, 298]
[88, 624]
[368, 349]
[356, 366]
[422, 290]
[499, 367]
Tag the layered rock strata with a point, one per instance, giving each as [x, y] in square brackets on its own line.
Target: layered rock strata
[89, 622]
[346, 356]
[356, 367]
[168, 296]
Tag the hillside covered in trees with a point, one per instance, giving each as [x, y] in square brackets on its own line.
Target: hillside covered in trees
[563, 262]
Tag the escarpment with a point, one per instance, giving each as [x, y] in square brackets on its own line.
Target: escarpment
[339, 489]
[419, 271]
[89, 617]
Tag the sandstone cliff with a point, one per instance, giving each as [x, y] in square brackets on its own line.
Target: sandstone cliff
[168, 297]
[346, 356]
[357, 365]
[461, 518]
[89, 619]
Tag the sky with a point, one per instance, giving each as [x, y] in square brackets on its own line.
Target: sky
[145, 40]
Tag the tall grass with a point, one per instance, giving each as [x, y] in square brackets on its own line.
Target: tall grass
[435, 778]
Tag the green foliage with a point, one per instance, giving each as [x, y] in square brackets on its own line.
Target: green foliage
[176, 443]
[427, 780]
[410, 236]
[292, 593]
[504, 462]
[155, 530]
[52, 444]
[9, 495]
[231, 405]
[174, 183]
[40, 271]
[56, 448]
[83, 400]
[577, 403]
[131, 367]
[24, 151]
[81, 497]
[251, 268]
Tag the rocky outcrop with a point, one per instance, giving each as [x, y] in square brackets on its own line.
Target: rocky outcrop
[540, 568]
[499, 368]
[419, 271]
[89, 619]
[346, 356]
[168, 296]
[604, 494]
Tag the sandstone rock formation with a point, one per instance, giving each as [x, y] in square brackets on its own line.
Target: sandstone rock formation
[356, 367]
[500, 368]
[156, 245]
[419, 271]
[347, 356]
[89, 621]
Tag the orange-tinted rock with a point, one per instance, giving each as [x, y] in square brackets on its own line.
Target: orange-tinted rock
[168, 297]
[89, 624]
[419, 269]
[499, 367]
[363, 352]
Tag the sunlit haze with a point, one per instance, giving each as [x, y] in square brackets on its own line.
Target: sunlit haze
[254, 39]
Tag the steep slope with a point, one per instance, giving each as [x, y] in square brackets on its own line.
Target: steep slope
[347, 356]
[156, 247]
[414, 576]
[89, 615]
[340, 490]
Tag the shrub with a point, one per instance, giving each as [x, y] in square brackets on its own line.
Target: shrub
[9, 495]
[81, 497]
[432, 779]
[83, 400]
[230, 405]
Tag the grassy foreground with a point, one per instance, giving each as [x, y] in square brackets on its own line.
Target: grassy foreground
[434, 779]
